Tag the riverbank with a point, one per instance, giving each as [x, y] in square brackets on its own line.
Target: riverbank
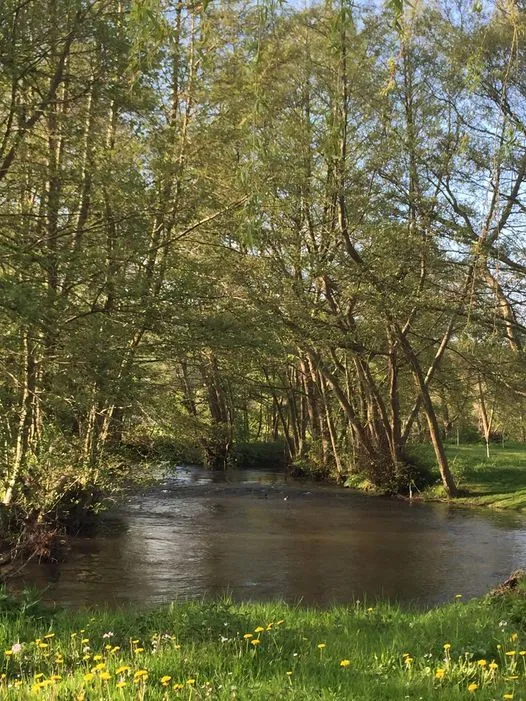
[497, 481]
[221, 650]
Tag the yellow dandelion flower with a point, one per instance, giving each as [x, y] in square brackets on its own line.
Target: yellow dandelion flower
[49, 636]
[39, 675]
[447, 646]
[493, 665]
[259, 629]
[96, 658]
[8, 653]
[514, 637]
[178, 687]
[345, 663]
[121, 684]
[482, 663]
[247, 636]
[408, 661]
[190, 682]
[255, 641]
[84, 641]
[458, 596]
[89, 676]
[522, 652]
[472, 687]
[115, 649]
[507, 696]
[322, 645]
[99, 667]
[141, 673]
[440, 673]
[135, 642]
[105, 676]
[43, 646]
[288, 674]
[278, 623]
[122, 669]
[86, 658]
[138, 650]
[510, 653]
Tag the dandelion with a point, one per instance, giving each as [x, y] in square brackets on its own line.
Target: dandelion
[190, 682]
[165, 680]
[89, 676]
[8, 653]
[440, 673]
[84, 641]
[259, 629]
[522, 653]
[289, 674]
[321, 646]
[178, 687]
[510, 653]
[96, 658]
[345, 663]
[482, 663]
[121, 684]
[408, 661]
[255, 641]
[138, 650]
[105, 676]
[472, 687]
[48, 636]
[507, 696]
[247, 636]
[278, 623]
[458, 596]
[447, 646]
[493, 665]
[514, 637]
[115, 649]
[123, 669]
[370, 609]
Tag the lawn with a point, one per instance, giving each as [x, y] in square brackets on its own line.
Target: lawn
[498, 481]
[221, 650]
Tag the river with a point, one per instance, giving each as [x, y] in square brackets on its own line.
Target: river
[257, 536]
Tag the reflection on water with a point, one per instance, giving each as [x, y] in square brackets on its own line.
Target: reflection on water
[254, 536]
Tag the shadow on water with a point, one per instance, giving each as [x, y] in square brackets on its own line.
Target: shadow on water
[259, 537]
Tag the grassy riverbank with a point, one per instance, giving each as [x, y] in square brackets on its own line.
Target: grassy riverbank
[498, 481]
[230, 651]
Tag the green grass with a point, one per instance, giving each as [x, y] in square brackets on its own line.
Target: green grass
[498, 481]
[207, 650]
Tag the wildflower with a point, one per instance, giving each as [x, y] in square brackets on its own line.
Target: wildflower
[86, 658]
[514, 637]
[447, 646]
[247, 636]
[458, 596]
[42, 646]
[259, 629]
[165, 680]
[115, 649]
[96, 658]
[440, 673]
[107, 647]
[190, 682]
[16, 648]
[255, 641]
[105, 676]
[507, 696]
[522, 652]
[84, 641]
[278, 623]
[178, 687]
[322, 645]
[123, 669]
[288, 674]
[89, 676]
[370, 609]
[482, 663]
[39, 675]
[408, 661]
[510, 653]
[345, 663]
[121, 684]
[138, 650]
[99, 667]
[493, 665]
[48, 636]
[141, 673]
[109, 634]
[8, 653]
[472, 687]
[135, 642]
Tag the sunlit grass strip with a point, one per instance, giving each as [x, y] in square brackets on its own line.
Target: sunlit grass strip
[221, 650]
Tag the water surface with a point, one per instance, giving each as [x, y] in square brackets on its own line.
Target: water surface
[256, 536]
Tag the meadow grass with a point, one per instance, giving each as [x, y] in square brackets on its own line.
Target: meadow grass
[498, 481]
[222, 650]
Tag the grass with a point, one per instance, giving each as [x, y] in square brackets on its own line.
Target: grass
[498, 481]
[220, 650]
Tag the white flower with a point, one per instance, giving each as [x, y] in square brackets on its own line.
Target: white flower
[17, 647]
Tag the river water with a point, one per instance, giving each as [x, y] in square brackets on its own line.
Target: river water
[256, 536]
